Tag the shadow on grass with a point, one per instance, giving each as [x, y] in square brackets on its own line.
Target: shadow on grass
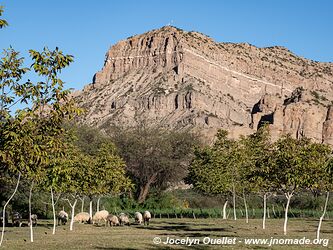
[197, 247]
[185, 228]
[101, 225]
[114, 248]
[186, 223]
[202, 235]
[159, 247]
[327, 231]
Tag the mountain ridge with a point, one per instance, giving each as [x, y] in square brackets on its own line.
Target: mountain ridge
[185, 79]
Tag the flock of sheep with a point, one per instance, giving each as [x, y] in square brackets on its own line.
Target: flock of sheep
[106, 217]
[83, 217]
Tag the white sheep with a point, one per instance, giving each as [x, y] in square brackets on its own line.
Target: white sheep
[62, 217]
[138, 217]
[123, 219]
[33, 220]
[101, 215]
[146, 217]
[113, 220]
[82, 217]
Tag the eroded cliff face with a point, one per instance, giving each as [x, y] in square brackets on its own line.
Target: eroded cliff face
[302, 114]
[186, 80]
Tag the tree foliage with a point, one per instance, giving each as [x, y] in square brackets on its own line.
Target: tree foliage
[3, 23]
[298, 164]
[256, 170]
[216, 169]
[154, 156]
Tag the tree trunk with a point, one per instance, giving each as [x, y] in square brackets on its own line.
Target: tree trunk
[72, 214]
[82, 203]
[288, 196]
[245, 205]
[144, 189]
[97, 206]
[273, 211]
[225, 210]
[54, 213]
[90, 210]
[323, 215]
[30, 221]
[234, 200]
[264, 215]
[4, 208]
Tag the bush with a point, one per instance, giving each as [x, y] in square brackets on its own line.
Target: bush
[164, 201]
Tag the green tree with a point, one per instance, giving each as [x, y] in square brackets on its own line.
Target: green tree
[107, 171]
[11, 72]
[154, 156]
[217, 169]
[79, 174]
[320, 164]
[68, 175]
[32, 135]
[110, 177]
[35, 134]
[258, 164]
[89, 140]
[295, 164]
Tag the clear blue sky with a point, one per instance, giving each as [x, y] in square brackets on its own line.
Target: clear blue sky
[86, 29]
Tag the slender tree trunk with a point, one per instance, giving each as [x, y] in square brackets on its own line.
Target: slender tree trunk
[264, 215]
[273, 209]
[225, 210]
[288, 196]
[90, 210]
[4, 208]
[323, 215]
[245, 205]
[234, 200]
[82, 203]
[54, 212]
[72, 214]
[30, 220]
[97, 206]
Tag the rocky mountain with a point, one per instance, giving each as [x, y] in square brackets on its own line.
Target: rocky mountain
[185, 79]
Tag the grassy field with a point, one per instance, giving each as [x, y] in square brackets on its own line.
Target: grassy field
[141, 237]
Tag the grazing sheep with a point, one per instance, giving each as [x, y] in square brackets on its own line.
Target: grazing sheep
[123, 219]
[113, 220]
[16, 219]
[82, 217]
[101, 215]
[146, 217]
[33, 220]
[62, 217]
[138, 217]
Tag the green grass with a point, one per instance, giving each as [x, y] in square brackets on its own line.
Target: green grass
[140, 237]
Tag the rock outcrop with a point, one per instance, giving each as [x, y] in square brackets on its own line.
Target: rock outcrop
[186, 80]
